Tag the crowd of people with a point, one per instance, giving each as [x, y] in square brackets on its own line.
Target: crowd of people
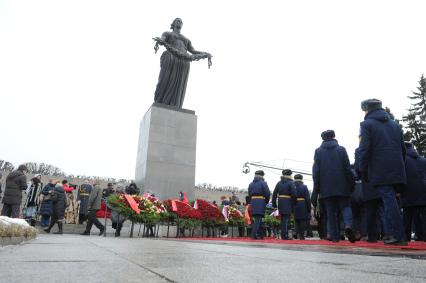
[382, 196]
[56, 202]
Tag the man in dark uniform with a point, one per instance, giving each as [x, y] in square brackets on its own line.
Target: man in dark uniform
[333, 179]
[414, 194]
[285, 194]
[302, 208]
[259, 196]
[83, 198]
[382, 163]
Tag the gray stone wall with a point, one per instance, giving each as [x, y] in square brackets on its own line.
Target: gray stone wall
[167, 152]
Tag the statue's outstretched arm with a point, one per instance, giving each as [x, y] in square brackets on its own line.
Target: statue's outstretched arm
[197, 55]
[193, 51]
[160, 41]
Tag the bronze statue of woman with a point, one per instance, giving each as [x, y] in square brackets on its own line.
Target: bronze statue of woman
[175, 63]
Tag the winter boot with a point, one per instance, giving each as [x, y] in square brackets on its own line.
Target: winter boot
[118, 230]
[60, 226]
[50, 227]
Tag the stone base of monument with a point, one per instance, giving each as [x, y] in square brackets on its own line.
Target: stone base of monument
[167, 151]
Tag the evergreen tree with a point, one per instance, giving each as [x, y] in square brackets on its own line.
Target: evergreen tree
[416, 118]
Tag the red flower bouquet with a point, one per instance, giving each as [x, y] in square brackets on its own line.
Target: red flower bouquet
[210, 214]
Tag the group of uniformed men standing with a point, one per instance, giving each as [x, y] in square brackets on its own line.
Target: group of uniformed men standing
[390, 172]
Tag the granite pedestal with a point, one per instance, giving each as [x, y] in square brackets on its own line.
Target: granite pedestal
[166, 156]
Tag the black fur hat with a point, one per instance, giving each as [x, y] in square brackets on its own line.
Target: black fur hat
[328, 135]
[287, 172]
[22, 168]
[371, 104]
[298, 177]
[259, 172]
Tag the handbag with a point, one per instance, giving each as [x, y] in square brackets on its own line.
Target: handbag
[45, 197]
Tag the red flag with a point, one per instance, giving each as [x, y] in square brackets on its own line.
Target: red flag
[247, 216]
[174, 207]
[133, 204]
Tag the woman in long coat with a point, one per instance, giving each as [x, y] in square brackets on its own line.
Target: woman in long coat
[46, 203]
[58, 208]
[31, 203]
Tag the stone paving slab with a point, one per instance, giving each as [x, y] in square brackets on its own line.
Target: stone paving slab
[74, 258]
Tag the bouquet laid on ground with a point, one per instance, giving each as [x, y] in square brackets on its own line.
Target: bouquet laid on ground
[185, 216]
[211, 215]
[140, 209]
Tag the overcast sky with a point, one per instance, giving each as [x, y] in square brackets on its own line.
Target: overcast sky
[76, 78]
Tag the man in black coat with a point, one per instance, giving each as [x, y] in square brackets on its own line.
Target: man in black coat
[382, 163]
[109, 190]
[16, 182]
[333, 179]
[259, 194]
[285, 193]
[414, 194]
[133, 189]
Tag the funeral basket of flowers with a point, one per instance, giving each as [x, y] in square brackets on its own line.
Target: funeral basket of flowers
[273, 221]
[185, 216]
[140, 209]
[235, 217]
[211, 215]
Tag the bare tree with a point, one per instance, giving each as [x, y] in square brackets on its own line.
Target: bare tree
[44, 169]
[6, 166]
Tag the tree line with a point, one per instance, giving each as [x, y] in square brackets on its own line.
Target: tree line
[211, 187]
[51, 170]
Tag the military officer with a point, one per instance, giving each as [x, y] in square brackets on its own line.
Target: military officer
[83, 198]
[259, 194]
[302, 208]
[334, 180]
[283, 197]
[382, 163]
[414, 194]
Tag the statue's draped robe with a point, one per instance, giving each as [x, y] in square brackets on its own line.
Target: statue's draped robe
[174, 72]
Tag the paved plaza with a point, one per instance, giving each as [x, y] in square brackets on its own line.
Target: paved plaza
[75, 258]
